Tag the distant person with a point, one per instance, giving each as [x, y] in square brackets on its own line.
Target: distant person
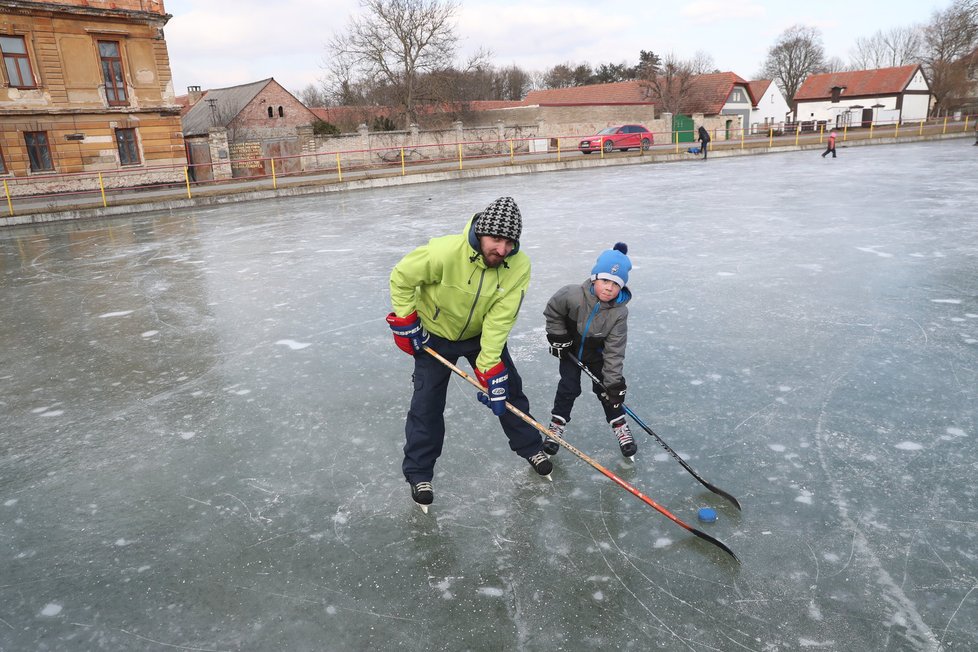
[460, 294]
[590, 319]
[704, 140]
[831, 147]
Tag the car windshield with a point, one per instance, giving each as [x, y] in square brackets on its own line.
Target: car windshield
[608, 130]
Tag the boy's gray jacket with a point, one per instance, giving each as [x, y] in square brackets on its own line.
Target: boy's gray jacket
[596, 326]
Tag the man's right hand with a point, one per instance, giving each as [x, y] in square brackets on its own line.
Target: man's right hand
[409, 335]
[559, 343]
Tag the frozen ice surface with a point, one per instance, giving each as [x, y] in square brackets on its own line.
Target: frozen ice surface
[201, 421]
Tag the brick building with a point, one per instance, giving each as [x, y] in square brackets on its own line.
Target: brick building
[243, 124]
[86, 87]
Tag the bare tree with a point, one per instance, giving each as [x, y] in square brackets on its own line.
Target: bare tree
[702, 63]
[796, 54]
[949, 37]
[899, 46]
[670, 85]
[393, 44]
[834, 64]
[313, 96]
[513, 83]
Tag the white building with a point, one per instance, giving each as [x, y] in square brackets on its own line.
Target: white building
[864, 97]
[771, 110]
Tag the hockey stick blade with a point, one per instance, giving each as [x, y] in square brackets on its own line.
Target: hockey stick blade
[718, 491]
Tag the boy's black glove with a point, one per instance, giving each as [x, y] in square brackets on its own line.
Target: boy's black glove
[615, 396]
[559, 343]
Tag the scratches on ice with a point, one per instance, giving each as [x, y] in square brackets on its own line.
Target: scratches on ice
[890, 591]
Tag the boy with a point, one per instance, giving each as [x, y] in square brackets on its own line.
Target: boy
[591, 320]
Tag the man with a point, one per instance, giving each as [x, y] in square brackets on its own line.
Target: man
[459, 295]
[704, 138]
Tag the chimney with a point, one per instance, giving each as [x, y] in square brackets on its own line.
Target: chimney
[193, 95]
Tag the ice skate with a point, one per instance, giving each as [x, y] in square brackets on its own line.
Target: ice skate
[557, 426]
[624, 436]
[423, 494]
[541, 464]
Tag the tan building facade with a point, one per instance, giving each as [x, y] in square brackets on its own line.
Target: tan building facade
[86, 86]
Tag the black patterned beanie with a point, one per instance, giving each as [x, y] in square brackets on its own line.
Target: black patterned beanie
[501, 218]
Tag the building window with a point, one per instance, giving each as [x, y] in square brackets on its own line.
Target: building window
[271, 113]
[38, 151]
[125, 139]
[281, 112]
[16, 62]
[115, 83]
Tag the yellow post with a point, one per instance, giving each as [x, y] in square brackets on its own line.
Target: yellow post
[945, 125]
[102, 188]
[602, 147]
[186, 176]
[845, 132]
[920, 132]
[402, 162]
[274, 180]
[6, 190]
[797, 133]
[460, 156]
[821, 132]
[966, 122]
[742, 138]
[677, 142]
[558, 150]
[770, 137]
[896, 129]
[511, 151]
[339, 170]
[871, 129]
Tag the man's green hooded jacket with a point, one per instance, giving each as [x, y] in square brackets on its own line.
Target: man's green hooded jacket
[457, 296]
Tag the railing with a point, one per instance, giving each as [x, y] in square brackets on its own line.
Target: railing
[44, 192]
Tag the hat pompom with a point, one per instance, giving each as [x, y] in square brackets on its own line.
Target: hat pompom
[622, 247]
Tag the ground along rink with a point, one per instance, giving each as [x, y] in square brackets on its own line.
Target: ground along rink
[202, 414]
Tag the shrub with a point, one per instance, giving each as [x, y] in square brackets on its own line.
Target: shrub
[323, 128]
[383, 123]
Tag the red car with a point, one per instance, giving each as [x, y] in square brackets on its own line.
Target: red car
[623, 138]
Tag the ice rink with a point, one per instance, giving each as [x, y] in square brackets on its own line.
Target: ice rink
[202, 415]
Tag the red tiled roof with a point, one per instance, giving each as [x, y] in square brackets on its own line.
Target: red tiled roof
[859, 83]
[626, 92]
[709, 93]
[488, 105]
[757, 88]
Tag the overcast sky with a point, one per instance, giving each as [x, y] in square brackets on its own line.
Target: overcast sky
[218, 43]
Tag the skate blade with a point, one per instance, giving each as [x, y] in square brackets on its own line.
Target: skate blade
[424, 508]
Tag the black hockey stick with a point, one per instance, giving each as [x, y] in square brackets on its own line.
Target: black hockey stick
[611, 476]
[711, 487]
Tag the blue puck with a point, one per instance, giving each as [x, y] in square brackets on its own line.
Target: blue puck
[707, 515]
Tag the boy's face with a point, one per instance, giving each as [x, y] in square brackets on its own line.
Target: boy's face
[495, 249]
[606, 290]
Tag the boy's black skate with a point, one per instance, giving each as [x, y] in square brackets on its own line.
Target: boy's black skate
[541, 464]
[624, 436]
[423, 494]
[557, 426]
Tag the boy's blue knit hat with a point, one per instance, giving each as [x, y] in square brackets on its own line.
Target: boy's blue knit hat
[613, 265]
